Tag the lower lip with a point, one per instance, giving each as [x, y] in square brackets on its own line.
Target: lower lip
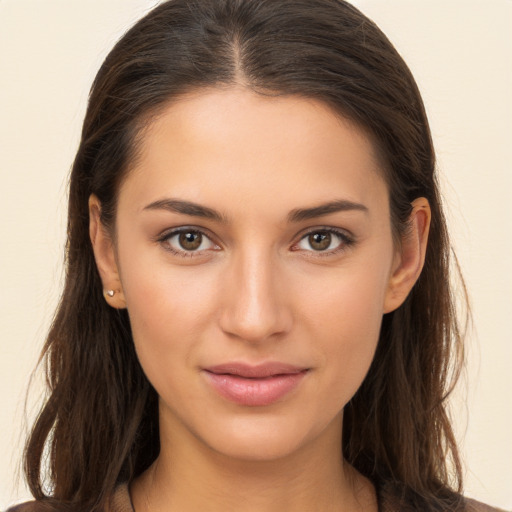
[254, 392]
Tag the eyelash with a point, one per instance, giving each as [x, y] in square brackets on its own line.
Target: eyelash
[167, 236]
[345, 241]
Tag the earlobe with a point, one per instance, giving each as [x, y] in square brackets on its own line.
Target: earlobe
[410, 257]
[104, 254]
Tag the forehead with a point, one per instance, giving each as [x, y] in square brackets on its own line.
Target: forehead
[245, 146]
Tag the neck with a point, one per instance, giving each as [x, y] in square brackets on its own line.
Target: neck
[189, 476]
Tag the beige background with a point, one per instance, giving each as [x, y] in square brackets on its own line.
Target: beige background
[461, 54]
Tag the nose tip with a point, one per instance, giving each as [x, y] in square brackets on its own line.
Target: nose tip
[255, 309]
[253, 323]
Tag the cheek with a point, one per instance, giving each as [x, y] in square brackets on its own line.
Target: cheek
[345, 321]
[169, 307]
[348, 301]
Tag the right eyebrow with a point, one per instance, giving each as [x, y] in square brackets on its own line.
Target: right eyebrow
[186, 208]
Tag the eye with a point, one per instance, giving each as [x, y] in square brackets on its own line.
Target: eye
[324, 241]
[185, 242]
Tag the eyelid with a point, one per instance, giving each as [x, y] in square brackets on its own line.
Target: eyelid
[172, 232]
[347, 240]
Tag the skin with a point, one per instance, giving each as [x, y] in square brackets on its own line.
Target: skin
[258, 289]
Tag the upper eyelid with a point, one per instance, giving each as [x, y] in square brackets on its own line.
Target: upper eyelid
[330, 229]
[168, 233]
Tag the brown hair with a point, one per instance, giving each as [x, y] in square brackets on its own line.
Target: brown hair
[99, 423]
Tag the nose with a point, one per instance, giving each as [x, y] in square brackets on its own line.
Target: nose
[255, 306]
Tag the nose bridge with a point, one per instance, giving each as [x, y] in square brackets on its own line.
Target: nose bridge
[254, 309]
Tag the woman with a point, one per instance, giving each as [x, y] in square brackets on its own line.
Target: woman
[256, 313]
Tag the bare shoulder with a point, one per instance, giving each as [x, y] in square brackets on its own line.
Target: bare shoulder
[477, 506]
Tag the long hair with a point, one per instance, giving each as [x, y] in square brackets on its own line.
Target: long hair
[99, 426]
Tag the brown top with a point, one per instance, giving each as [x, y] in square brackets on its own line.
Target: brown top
[388, 502]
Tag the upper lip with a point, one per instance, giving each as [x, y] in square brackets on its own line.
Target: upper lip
[262, 370]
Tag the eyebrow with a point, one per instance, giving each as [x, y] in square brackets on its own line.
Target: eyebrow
[297, 215]
[186, 208]
[341, 205]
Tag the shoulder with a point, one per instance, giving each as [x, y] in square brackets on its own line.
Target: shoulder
[476, 506]
[31, 506]
[393, 499]
[468, 505]
[120, 502]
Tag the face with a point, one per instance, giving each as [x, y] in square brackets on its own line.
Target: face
[255, 257]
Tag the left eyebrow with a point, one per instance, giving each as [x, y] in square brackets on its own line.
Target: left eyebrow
[341, 205]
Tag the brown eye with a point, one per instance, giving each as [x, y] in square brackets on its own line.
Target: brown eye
[320, 241]
[326, 241]
[186, 242]
[190, 240]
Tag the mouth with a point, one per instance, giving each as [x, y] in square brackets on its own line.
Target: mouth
[257, 385]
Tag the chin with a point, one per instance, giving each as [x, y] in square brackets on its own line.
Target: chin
[257, 448]
[269, 438]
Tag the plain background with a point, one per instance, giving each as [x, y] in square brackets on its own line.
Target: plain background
[461, 54]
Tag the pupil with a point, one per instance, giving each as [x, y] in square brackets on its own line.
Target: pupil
[320, 241]
[190, 241]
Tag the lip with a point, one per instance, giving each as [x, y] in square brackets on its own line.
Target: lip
[254, 385]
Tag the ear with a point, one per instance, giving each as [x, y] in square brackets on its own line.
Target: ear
[104, 254]
[410, 257]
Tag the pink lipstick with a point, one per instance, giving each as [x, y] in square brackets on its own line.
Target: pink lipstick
[254, 386]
